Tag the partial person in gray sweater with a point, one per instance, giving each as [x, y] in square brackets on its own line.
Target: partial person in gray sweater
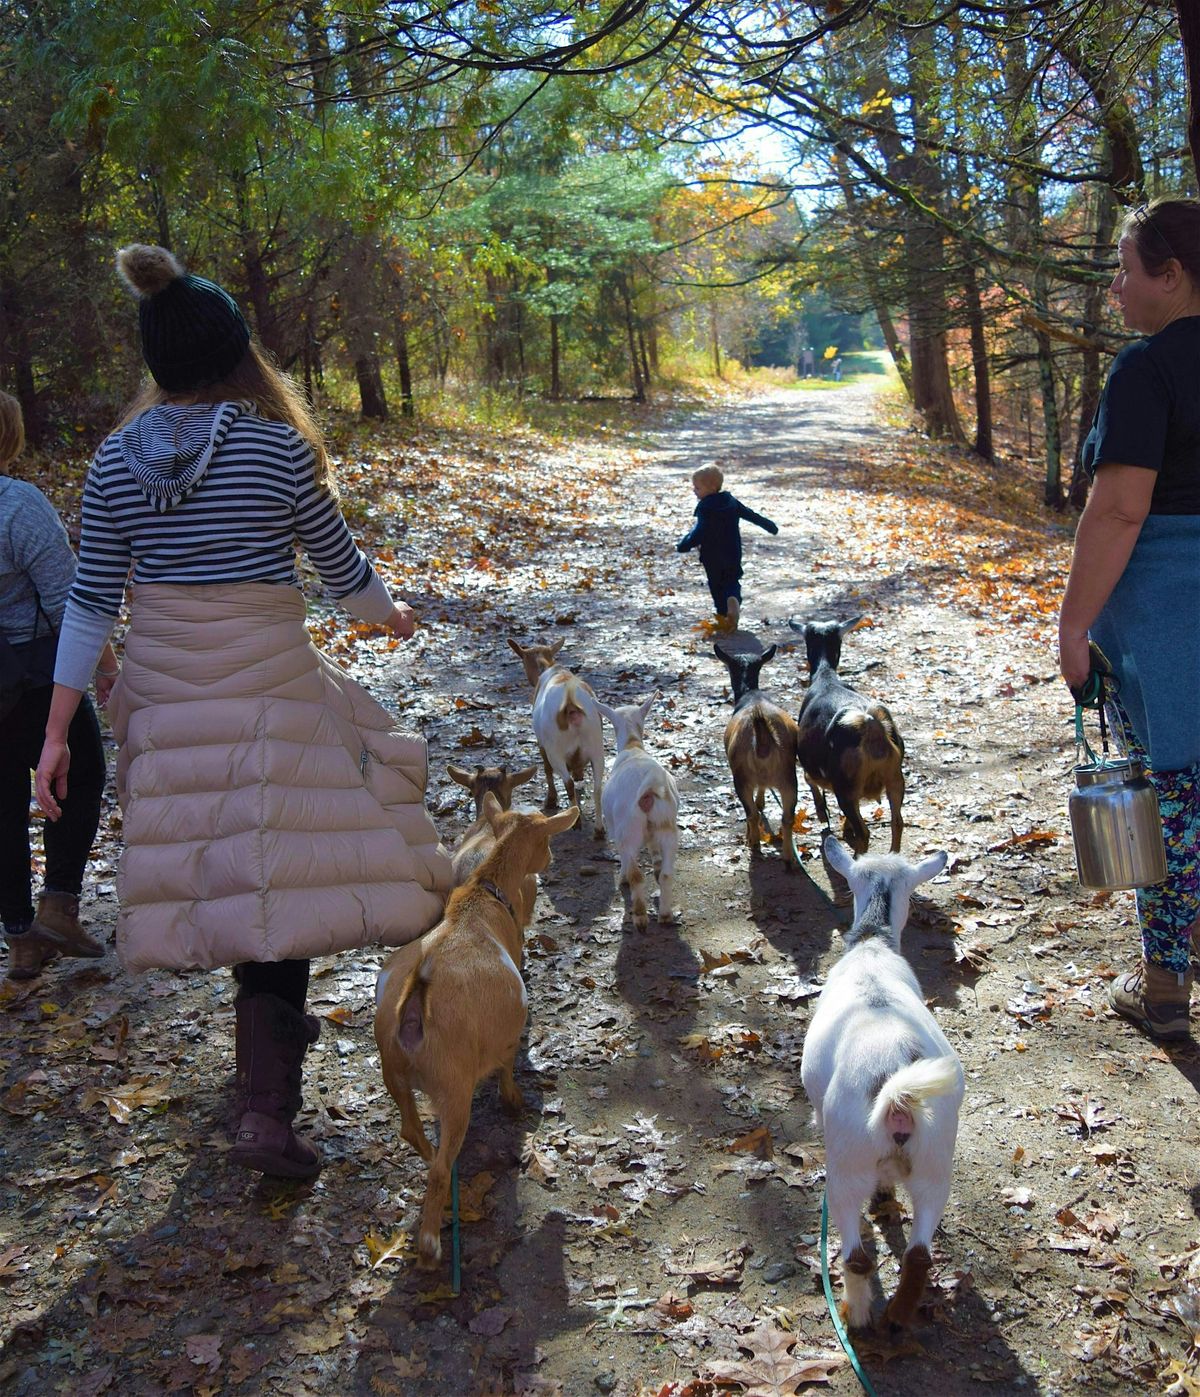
[37, 569]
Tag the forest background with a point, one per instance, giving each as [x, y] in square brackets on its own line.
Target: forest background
[425, 206]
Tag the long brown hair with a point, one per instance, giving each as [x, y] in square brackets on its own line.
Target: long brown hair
[12, 430]
[1166, 228]
[257, 379]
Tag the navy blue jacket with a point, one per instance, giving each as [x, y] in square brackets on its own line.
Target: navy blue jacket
[716, 531]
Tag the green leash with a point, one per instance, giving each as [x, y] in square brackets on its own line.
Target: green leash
[838, 1327]
[455, 1241]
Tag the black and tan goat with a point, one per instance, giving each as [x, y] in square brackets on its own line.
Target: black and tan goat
[760, 742]
[847, 744]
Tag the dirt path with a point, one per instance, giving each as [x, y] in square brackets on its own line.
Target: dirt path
[652, 1220]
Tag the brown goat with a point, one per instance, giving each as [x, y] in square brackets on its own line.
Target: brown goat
[760, 742]
[451, 1007]
[497, 779]
[847, 744]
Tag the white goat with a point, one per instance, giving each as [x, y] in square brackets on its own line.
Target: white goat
[567, 725]
[883, 1080]
[641, 811]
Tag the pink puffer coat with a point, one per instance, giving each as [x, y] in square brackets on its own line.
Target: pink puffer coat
[271, 808]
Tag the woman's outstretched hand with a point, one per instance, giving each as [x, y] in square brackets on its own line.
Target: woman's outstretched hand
[403, 621]
[51, 778]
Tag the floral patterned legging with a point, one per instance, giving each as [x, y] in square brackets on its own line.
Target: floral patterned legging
[1167, 910]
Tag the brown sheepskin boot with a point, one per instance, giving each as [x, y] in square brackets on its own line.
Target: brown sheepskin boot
[272, 1039]
[1155, 999]
[57, 923]
[27, 954]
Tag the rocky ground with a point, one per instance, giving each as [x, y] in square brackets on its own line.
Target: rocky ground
[651, 1224]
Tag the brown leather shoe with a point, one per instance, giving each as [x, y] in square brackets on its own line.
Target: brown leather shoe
[57, 923]
[27, 954]
[1155, 999]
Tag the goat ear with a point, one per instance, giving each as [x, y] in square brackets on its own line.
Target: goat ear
[492, 809]
[558, 645]
[556, 824]
[929, 868]
[649, 704]
[461, 775]
[720, 654]
[847, 626]
[796, 625]
[525, 774]
[838, 855]
[768, 654]
[514, 646]
[606, 712]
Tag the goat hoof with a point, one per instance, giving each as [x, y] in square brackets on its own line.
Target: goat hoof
[429, 1252]
[598, 832]
[641, 923]
[513, 1102]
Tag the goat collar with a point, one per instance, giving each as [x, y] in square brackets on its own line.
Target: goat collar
[489, 887]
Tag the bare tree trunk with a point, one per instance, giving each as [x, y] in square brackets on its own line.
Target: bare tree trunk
[555, 369]
[714, 336]
[404, 367]
[639, 387]
[17, 359]
[1188, 14]
[370, 386]
[984, 445]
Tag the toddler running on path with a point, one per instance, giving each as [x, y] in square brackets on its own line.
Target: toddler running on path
[719, 537]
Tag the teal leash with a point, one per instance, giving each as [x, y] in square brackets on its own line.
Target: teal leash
[455, 1240]
[838, 1327]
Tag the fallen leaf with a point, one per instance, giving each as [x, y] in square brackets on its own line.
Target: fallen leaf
[772, 1369]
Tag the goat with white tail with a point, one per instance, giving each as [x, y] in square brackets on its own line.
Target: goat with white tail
[884, 1081]
[641, 811]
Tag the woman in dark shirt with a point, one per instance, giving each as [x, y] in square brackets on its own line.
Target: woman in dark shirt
[1135, 579]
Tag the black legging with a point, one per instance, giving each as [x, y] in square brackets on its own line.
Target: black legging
[68, 840]
[288, 979]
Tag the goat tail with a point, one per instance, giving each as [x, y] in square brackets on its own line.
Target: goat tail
[764, 738]
[909, 1091]
[410, 1008]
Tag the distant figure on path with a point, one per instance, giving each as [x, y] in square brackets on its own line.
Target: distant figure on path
[808, 363]
[837, 368]
[1135, 580]
[719, 537]
[272, 811]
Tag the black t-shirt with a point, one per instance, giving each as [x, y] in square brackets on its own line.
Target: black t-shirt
[1149, 416]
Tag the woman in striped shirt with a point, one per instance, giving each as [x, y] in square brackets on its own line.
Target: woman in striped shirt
[271, 810]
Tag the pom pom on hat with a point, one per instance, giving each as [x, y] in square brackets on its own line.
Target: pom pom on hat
[147, 270]
[192, 330]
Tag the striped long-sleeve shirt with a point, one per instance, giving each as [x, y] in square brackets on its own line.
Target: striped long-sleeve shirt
[200, 495]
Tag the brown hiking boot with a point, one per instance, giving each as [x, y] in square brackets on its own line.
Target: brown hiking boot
[1154, 998]
[27, 954]
[57, 923]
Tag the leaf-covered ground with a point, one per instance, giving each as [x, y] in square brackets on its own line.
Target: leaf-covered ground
[650, 1225]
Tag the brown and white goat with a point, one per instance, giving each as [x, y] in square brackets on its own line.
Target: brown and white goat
[567, 725]
[760, 742]
[451, 1007]
[479, 837]
[848, 744]
[497, 779]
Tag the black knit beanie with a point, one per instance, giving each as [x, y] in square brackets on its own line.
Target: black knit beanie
[192, 330]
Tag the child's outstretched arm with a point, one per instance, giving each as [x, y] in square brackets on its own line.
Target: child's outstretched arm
[691, 538]
[760, 519]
